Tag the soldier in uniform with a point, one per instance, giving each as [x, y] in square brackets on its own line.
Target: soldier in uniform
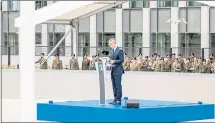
[213, 67]
[181, 62]
[176, 66]
[208, 67]
[133, 64]
[73, 63]
[159, 65]
[57, 63]
[93, 63]
[173, 57]
[202, 66]
[191, 57]
[145, 64]
[168, 64]
[126, 63]
[85, 63]
[42, 61]
[188, 66]
[139, 61]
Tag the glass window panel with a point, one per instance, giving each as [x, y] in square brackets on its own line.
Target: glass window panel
[194, 3]
[182, 15]
[109, 21]
[13, 5]
[164, 3]
[212, 19]
[193, 43]
[83, 44]
[182, 45]
[133, 43]
[40, 4]
[213, 43]
[153, 19]
[174, 3]
[54, 38]
[126, 20]
[136, 21]
[38, 38]
[194, 20]
[103, 40]
[163, 44]
[84, 25]
[99, 22]
[164, 14]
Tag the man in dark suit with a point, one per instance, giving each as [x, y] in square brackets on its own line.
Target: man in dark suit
[116, 59]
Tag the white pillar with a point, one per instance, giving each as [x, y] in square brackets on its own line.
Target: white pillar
[146, 32]
[126, 5]
[44, 39]
[205, 42]
[27, 68]
[174, 30]
[119, 27]
[182, 3]
[153, 4]
[93, 35]
[68, 41]
[74, 41]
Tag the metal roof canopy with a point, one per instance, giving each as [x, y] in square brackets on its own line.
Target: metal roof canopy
[83, 12]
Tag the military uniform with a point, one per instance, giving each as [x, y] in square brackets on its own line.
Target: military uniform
[145, 65]
[202, 68]
[85, 64]
[133, 66]
[181, 62]
[188, 67]
[73, 63]
[42, 62]
[93, 64]
[213, 67]
[176, 67]
[168, 65]
[159, 66]
[126, 64]
[208, 68]
[57, 64]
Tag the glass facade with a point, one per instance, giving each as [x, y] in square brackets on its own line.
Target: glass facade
[139, 4]
[83, 44]
[167, 3]
[103, 39]
[194, 3]
[38, 38]
[190, 43]
[40, 4]
[13, 5]
[54, 38]
[132, 43]
[212, 43]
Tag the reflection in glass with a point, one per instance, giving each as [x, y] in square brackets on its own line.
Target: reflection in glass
[167, 3]
[38, 38]
[139, 4]
[40, 4]
[162, 44]
[83, 44]
[190, 43]
[194, 3]
[213, 43]
[53, 40]
[13, 5]
[133, 44]
[11, 40]
[103, 40]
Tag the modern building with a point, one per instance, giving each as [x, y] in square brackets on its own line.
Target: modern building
[145, 27]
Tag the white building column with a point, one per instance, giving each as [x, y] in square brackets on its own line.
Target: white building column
[27, 67]
[174, 30]
[68, 41]
[153, 4]
[74, 41]
[44, 39]
[205, 42]
[182, 3]
[146, 32]
[93, 35]
[119, 27]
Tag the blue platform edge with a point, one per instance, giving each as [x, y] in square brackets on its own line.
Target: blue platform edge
[149, 111]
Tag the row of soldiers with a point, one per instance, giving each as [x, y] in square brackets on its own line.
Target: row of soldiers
[73, 63]
[171, 63]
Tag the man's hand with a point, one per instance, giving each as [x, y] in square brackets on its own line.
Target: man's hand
[112, 61]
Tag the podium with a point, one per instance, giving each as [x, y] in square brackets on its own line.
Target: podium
[103, 69]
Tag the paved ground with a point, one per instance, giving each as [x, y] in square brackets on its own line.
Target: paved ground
[11, 110]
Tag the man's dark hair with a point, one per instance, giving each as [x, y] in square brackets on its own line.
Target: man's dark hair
[42, 54]
[73, 54]
[179, 54]
[56, 55]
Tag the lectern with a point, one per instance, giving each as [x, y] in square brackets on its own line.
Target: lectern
[103, 69]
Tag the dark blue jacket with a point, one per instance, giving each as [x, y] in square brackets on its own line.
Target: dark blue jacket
[118, 57]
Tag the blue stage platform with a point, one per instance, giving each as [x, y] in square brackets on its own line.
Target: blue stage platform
[149, 111]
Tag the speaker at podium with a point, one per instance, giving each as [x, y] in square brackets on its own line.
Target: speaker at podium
[103, 68]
